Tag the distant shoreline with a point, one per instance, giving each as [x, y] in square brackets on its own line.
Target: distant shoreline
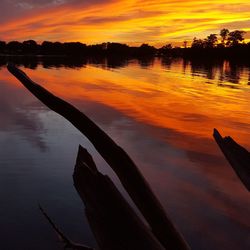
[200, 49]
[231, 53]
[230, 45]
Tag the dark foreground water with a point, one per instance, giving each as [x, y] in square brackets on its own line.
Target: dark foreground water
[162, 112]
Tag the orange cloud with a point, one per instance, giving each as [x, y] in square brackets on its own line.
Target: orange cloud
[132, 21]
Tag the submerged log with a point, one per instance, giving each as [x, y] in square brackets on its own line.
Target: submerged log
[114, 223]
[237, 156]
[128, 173]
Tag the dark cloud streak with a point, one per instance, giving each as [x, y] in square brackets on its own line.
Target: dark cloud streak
[14, 8]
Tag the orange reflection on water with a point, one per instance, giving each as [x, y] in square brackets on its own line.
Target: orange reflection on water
[165, 98]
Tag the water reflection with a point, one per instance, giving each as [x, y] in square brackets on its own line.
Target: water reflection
[14, 115]
[222, 70]
[161, 111]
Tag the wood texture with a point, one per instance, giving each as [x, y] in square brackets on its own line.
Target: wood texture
[237, 156]
[113, 222]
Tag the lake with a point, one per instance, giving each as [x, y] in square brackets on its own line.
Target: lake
[161, 111]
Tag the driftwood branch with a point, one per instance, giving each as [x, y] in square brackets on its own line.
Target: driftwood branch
[114, 223]
[237, 156]
[66, 241]
[119, 161]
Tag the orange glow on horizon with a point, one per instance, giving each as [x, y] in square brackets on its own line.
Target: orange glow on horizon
[151, 100]
[132, 22]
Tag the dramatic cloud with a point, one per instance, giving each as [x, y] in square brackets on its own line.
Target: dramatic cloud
[133, 22]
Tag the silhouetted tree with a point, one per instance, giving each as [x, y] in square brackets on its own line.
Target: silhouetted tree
[30, 47]
[235, 37]
[210, 41]
[74, 48]
[50, 48]
[58, 48]
[117, 49]
[2, 46]
[166, 49]
[97, 49]
[46, 48]
[185, 44]
[224, 33]
[14, 47]
[146, 50]
[167, 46]
[198, 43]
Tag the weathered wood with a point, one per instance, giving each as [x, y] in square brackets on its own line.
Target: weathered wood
[237, 156]
[119, 161]
[68, 244]
[114, 223]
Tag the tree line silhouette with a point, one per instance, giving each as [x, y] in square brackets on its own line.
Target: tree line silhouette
[31, 47]
[228, 39]
[105, 62]
[225, 45]
[229, 45]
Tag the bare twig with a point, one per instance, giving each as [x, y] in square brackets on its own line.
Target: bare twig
[67, 242]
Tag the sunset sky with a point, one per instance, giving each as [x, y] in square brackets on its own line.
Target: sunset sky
[131, 21]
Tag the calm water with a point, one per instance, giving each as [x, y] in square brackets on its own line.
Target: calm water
[161, 112]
